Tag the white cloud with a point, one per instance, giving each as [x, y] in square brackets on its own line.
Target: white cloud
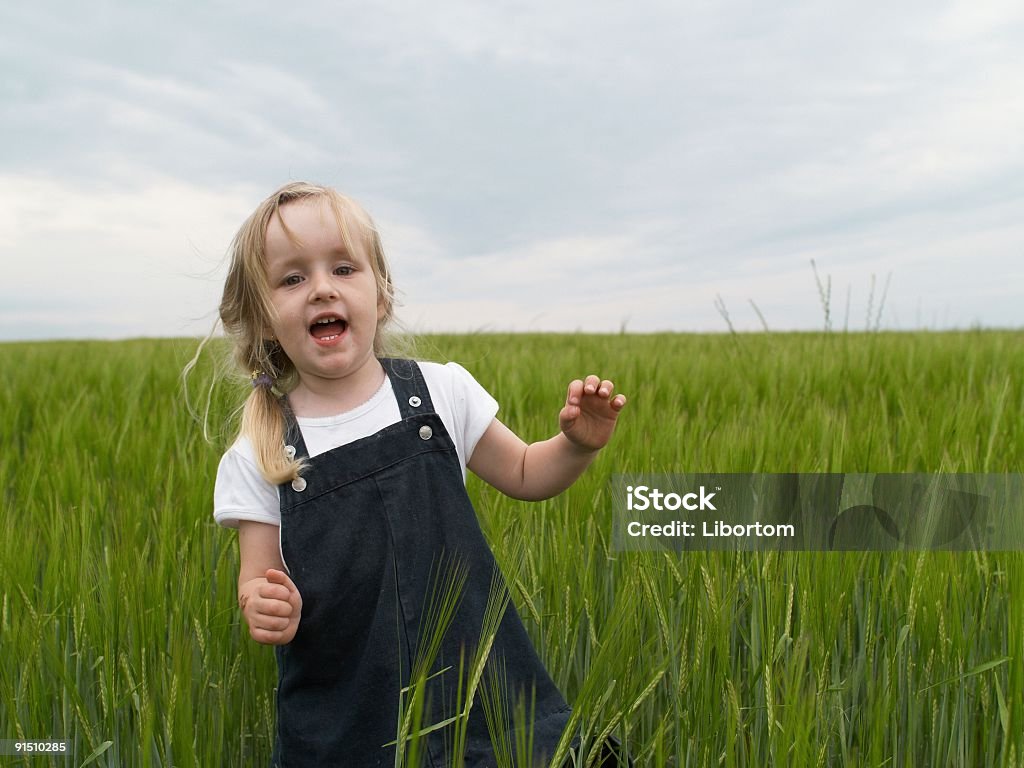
[989, 21]
[531, 165]
[97, 260]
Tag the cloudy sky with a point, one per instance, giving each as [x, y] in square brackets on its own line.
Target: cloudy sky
[532, 166]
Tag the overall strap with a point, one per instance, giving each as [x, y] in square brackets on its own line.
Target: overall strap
[292, 433]
[409, 387]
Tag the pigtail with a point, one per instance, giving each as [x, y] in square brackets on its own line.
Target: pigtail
[263, 422]
[263, 415]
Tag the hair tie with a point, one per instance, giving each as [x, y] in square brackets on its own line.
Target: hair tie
[261, 380]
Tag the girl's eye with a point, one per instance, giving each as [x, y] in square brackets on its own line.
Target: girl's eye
[292, 280]
[345, 269]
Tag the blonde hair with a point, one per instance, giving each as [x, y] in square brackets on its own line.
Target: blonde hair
[246, 312]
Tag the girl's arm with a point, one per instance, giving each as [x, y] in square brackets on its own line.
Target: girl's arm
[268, 598]
[545, 469]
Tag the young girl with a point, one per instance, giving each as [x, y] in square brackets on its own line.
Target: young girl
[347, 486]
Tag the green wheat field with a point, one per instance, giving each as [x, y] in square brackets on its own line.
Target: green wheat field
[119, 631]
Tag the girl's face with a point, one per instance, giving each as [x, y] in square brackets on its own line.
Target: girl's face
[324, 294]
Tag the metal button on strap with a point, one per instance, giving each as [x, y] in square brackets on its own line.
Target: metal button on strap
[426, 432]
[415, 401]
[299, 484]
[289, 451]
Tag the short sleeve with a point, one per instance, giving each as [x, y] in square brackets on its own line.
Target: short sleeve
[474, 408]
[240, 492]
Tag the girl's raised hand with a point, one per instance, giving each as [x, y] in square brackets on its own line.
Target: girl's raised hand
[590, 412]
[272, 608]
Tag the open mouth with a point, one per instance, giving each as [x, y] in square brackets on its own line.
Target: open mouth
[328, 328]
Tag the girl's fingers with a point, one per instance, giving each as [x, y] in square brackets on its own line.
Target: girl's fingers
[592, 385]
[270, 591]
[283, 580]
[568, 415]
[275, 576]
[572, 397]
[267, 637]
[272, 623]
[273, 608]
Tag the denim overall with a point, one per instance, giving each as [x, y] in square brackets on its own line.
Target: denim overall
[362, 533]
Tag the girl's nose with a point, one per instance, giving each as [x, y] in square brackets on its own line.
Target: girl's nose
[322, 287]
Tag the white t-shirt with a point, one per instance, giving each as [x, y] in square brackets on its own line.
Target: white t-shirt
[465, 408]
